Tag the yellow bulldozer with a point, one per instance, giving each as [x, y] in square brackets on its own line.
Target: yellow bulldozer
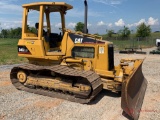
[75, 66]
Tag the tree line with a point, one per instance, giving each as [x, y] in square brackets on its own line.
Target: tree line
[11, 33]
[15, 32]
[143, 31]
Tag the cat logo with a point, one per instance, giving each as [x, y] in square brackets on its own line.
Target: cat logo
[78, 40]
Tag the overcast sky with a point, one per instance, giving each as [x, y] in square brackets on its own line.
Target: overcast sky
[102, 14]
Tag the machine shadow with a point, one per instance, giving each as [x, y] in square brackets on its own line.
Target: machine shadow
[110, 94]
[102, 94]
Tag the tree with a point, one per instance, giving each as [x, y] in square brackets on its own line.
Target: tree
[143, 30]
[79, 27]
[97, 34]
[125, 32]
[32, 30]
[110, 33]
[4, 33]
[15, 33]
[11, 33]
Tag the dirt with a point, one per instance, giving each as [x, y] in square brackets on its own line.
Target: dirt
[16, 105]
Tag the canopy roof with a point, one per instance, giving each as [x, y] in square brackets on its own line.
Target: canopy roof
[51, 6]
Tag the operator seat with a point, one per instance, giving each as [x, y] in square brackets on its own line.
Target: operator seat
[36, 26]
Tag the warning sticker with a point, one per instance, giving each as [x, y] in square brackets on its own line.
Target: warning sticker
[101, 50]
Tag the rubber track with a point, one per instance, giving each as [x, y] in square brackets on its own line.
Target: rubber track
[90, 76]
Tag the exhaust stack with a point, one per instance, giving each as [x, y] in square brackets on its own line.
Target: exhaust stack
[85, 17]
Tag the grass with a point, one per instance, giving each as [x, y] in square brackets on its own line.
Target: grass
[8, 52]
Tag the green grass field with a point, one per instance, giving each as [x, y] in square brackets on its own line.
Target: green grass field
[8, 52]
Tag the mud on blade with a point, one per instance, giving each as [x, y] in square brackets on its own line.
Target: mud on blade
[133, 91]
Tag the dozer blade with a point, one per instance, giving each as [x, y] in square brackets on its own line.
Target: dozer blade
[133, 91]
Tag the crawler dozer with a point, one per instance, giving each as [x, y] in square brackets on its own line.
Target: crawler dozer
[75, 66]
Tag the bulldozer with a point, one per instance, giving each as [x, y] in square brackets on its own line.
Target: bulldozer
[73, 65]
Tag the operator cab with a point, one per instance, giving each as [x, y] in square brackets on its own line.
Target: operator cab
[44, 14]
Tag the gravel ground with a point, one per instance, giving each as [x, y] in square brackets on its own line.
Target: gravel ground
[18, 105]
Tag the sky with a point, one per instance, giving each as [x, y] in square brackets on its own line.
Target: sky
[102, 14]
